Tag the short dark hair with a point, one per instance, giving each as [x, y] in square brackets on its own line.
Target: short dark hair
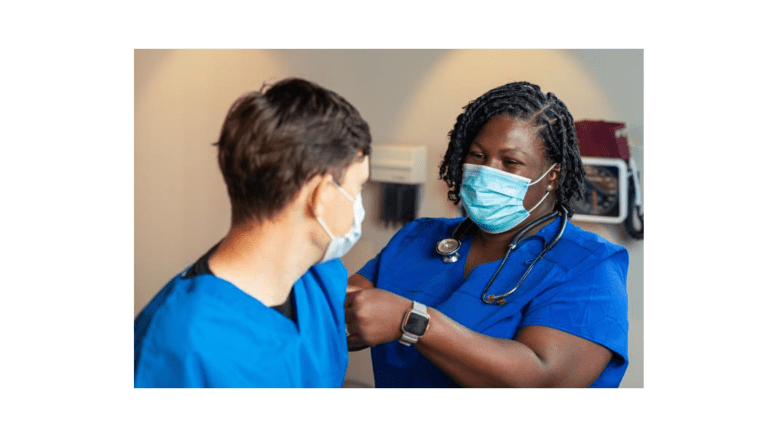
[273, 141]
[524, 101]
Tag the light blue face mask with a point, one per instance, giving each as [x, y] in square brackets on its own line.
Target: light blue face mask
[339, 246]
[493, 198]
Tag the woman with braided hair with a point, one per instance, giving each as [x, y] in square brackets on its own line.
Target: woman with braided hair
[513, 295]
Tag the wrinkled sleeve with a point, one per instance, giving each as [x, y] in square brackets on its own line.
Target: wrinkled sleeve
[396, 244]
[174, 366]
[370, 270]
[211, 353]
[593, 305]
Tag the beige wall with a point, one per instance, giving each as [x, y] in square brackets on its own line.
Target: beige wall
[407, 96]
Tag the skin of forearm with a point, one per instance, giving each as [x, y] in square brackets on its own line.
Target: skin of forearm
[537, 357]
[469, 358]
[476, 360]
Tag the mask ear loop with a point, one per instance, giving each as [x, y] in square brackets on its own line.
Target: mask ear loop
[543, 176]
[546, 192]
[539, 203]
[345, 193]
[321, 222]
[326, 228]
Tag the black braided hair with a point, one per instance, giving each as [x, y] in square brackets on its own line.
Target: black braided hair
[524, 101]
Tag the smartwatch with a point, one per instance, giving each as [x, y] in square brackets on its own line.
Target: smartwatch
[415, 324]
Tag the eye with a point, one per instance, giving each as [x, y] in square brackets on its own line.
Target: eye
[510, 162]
[475, 154]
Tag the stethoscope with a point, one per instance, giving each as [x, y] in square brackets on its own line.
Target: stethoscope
[448, 248]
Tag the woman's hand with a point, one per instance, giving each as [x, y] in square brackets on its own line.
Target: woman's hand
[374, 316]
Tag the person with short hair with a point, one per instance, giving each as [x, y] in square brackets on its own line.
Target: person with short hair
[512, 295]
[264, 306]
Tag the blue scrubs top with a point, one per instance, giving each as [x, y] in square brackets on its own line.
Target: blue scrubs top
[205, 332]
[579, 287]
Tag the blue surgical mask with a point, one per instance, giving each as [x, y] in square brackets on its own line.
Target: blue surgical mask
[493, 198]
[339, 246]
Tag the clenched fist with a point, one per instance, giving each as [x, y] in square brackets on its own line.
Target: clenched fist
[373, 316]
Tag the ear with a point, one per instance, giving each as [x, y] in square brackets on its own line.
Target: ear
[317, 194]
[554, 177]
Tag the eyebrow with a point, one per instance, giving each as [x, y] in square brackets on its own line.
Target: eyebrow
[511, 149]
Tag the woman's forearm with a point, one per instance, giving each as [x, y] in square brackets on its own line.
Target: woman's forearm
[476, 360]
[470, 358]
[538, 356]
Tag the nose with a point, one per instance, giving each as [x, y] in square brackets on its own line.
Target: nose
[494, 162]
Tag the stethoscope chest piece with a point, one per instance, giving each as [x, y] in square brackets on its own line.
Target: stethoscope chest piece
[449, 248]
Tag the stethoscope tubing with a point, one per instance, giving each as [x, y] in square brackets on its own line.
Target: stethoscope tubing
[501, 299]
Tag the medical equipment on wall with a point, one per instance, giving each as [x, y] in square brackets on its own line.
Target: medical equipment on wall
[448, 249]
[612, 188]
[401, 170]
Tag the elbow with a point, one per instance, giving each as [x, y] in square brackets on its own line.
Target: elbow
[535, 372]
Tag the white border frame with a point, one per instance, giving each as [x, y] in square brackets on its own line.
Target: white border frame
[622, 188]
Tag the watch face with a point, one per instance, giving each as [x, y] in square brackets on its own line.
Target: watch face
[416, 324]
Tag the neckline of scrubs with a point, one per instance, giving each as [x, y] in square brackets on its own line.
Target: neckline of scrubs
[546, 234]
[254, 305]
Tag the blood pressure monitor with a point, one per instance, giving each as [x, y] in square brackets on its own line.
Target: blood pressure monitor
[605, 199]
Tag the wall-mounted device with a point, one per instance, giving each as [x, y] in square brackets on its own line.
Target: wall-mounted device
[605, 199]
[612, 188]
[401, 170]
[398, 163]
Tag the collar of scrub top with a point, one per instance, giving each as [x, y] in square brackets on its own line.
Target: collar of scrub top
[555, 226]
[547, 233]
